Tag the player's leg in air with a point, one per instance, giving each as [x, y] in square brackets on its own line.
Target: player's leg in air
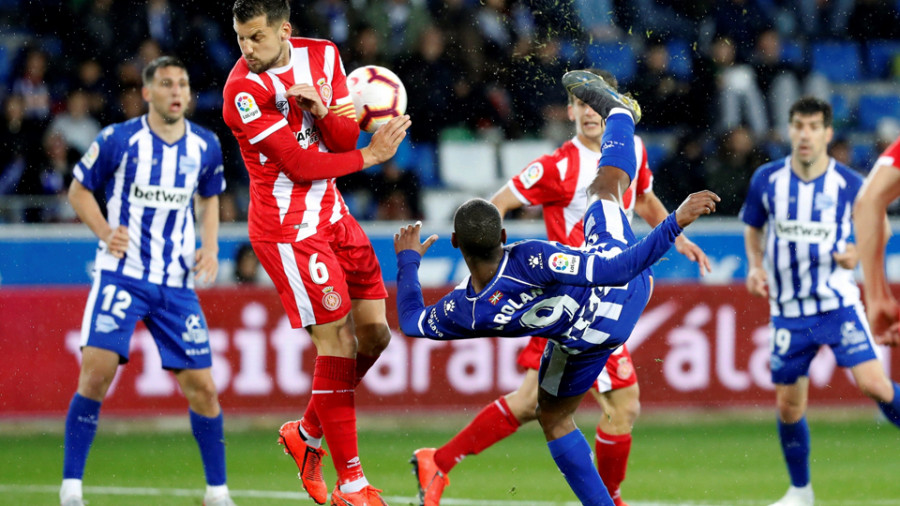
[495, 422]
[618, 394]
[346, 349]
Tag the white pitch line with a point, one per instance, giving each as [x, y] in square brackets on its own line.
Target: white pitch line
[286, 495]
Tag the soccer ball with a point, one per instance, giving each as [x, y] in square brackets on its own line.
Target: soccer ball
[378, 95]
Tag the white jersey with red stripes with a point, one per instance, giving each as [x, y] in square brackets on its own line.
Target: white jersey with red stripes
[559, 183]
[891, 155]
[256, 110]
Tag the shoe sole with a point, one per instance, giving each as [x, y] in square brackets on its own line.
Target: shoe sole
[624, 100]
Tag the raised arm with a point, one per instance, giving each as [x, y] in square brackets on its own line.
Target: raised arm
[651, 209]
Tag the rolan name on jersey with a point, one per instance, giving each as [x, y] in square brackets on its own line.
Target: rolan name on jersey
[511, 306]
[159, 196]
[805, 231]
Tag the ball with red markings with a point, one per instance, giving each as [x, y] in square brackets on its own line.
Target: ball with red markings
[378, 95]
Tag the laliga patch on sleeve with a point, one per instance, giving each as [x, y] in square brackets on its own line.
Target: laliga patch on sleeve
[563, 263]
[90, 156]
[246, 106]
[531, 175]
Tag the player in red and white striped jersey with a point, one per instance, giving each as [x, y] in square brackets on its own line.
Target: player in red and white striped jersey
[558, 182]
[287, 103]
[872, 230]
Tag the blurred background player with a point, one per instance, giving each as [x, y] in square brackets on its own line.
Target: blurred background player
[315, 252]
[150, 169]
[798, 237]
[882, 186]
[558, 182]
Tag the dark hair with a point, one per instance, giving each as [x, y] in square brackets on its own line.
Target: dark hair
[811, 105]
[477, 225]
[605, 74]
[275, 11]
[162, 61]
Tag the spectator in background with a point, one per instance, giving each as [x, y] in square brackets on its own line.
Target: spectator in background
[398, 23]
[816, 19]
[365, 49]
[32, 87]
[397, 195]
[739, 21]
[683, 171]
[730, 169]
[131, 104]
[75, 124]
[17, 136]
[660, 91]
[246, 265]
[338, 16]
[427, 73]
[841, 150]
[783, 82]
[874, 19]
[91, 80]
[97, 29]
[55, 175]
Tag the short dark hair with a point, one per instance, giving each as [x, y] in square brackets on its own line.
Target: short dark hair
[605, 74]
[811, 105]
[275, 11]
[162, 61]
[477, 225]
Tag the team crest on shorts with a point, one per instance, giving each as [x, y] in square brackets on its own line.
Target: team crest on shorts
[624, 369]
[331, 300]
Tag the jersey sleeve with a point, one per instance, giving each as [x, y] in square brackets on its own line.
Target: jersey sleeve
[339, 128]
[644, 182]
[537, 184]
[98, 163]
[591, 267]
[417, 320]
[265, 128]
[891, 156]
[211, 181]
[754, 212]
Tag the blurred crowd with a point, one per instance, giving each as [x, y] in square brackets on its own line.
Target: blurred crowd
[716, 78]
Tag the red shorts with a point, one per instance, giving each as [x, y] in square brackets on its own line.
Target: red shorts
[317, 277]
[618, 373]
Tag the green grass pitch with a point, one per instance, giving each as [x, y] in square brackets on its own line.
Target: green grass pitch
[677, 459]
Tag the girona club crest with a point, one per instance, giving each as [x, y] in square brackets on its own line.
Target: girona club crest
[624, 368]
[331, 300]
[324, 90]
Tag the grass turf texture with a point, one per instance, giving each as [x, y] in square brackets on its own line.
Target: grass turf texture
[715, 458]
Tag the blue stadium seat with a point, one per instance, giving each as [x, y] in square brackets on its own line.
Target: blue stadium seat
[680, 58]
[880, 56]
[840, 62]
[616, 57]
[5, 65]
[792, 52]
[862, 157]
[656, 155]
[571, 52]
[841, 111]
[874, 107]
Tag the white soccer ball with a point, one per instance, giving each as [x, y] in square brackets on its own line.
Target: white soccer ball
[378, 95]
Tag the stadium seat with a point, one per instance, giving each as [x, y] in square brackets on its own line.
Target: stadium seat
[862, 157]
[516, 155]
[439, 205]
[571, 52]
[880, 57]
[680, 58]
[656, 155]
[841, 110]
[792, 52]
[840, 62]
[469, 166]
[616, 57]
[874, 107]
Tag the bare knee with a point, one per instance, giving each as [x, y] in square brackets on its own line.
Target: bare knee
[200, 391]
[790, 411]
[523, 403]
[879, 388]
[373, 338]
[94, 383]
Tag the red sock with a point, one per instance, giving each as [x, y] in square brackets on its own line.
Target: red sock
[494, 423]
[310, 420]
[363, 364]
[612, 459]
[332, 395]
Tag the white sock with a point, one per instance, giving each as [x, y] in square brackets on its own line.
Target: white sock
[620, 110]
[216, 491]
[71, 487]
[315, 442]
[355, 485]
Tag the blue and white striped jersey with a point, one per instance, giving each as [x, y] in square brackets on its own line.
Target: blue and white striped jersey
[149, 187]
[581, 298]
[805, 221]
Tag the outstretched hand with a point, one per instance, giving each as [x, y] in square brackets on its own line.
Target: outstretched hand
[408, 238]
[696, 205]
[385, 141]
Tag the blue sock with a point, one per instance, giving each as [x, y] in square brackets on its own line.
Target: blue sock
[210, 436]
[573, 457]
[892, 409]
[795, 447]
[617, 144]
[81, 427]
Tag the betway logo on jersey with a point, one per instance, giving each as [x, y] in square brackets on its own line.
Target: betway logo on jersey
[805, 231]
[159, 197]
